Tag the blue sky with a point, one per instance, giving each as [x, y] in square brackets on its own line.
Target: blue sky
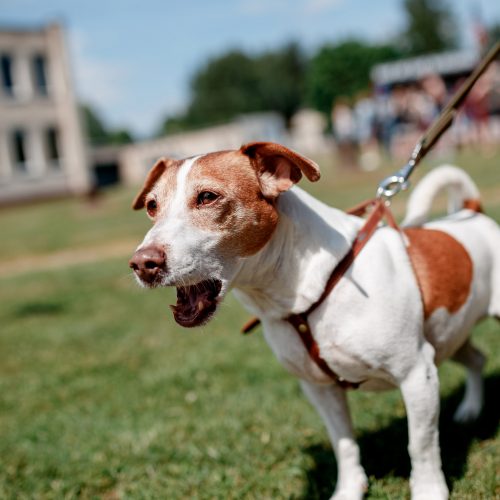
[132, 59]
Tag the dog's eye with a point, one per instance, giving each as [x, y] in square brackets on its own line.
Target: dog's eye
[151, 207]
[206, 197]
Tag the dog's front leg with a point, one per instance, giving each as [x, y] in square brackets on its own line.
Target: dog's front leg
[420, 389]
[330, 402]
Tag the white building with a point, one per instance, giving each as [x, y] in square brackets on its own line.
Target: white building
[447, 64]
[136, 159]
[42, 150]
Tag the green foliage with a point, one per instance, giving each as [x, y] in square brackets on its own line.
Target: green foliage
[430, 27]
[344, 70]
[282, 80]
[174, 124]
[120, 136]
[225, 87]
[97, 131]
[236, 83]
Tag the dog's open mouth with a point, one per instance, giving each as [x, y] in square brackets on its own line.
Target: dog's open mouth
[196, 303]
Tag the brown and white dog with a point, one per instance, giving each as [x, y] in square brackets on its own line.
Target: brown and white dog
[232, 220]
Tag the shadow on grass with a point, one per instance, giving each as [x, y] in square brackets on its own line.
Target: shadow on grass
[40, 308]
[384, 452]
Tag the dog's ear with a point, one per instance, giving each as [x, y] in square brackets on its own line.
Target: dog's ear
[278, 167]
[153, 175]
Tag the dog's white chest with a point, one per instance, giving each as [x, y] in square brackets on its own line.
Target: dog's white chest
[290, 352]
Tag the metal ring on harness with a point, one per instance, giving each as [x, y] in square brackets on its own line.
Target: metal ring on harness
[391, 186]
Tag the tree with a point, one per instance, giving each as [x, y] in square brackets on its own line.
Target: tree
[94, 126]
[119, 136]
[236, 83]
[98, 133]
[430, 27]
[173, 125]
[225, 87]
[281, 77]
[343, 70]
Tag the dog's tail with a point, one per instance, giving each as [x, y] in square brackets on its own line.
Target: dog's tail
[461, 190]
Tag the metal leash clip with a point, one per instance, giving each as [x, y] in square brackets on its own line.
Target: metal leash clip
[399, 181]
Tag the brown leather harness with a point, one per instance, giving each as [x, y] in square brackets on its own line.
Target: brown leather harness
[300, 321]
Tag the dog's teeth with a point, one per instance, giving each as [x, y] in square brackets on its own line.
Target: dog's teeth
[200, 305]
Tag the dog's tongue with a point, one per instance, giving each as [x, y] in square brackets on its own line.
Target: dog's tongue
[196, 303]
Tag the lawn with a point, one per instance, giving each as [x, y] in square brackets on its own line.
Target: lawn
[103, 396]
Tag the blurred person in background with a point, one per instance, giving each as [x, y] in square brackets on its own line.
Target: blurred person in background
[410, 111]
[494, 101]
[477, 109]
[345, 132]
[365, 110]
[435, 91]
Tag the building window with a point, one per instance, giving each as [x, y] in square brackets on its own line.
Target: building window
[39, 63]
[6, 74]
[52, 147]
[19, 150]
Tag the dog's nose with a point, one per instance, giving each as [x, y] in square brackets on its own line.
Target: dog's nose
[147, 262]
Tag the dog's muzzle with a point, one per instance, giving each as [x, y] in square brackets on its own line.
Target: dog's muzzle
[149, 265]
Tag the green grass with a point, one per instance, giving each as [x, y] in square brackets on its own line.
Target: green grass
[103, 396]
[43, 228]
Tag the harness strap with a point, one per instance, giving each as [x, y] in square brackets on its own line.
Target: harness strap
[299, 321]
[301, 325]
[379, 211]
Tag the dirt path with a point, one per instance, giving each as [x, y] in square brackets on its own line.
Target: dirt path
[67, 258]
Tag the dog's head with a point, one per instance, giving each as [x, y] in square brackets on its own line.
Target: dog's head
[209, 213]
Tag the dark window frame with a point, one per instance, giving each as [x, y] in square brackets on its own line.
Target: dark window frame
[39, 71]
[52, 144]
[7, 73]
[19, 144]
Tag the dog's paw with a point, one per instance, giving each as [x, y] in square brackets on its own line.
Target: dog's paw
[429, 489]
[430, 494]
[467, 412]
[355, 490]
[347, 495]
